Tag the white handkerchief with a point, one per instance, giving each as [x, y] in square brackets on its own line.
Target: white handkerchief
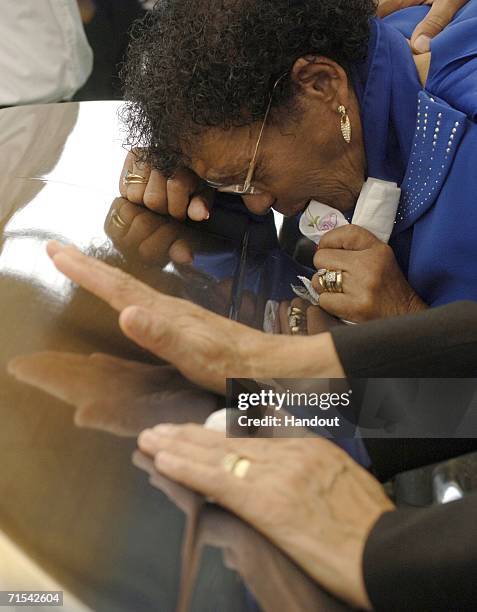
[377, 207]
[307, 292]
[375, 211]
[319, 219]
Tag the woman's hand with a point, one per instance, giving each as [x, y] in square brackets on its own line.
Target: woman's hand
[244, 550]
[183, 195]
[307, 496]
[441, 14]
[137, 231]
[373, 285]
[205, 347]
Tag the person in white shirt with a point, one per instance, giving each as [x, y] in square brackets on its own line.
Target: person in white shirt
[44, 53]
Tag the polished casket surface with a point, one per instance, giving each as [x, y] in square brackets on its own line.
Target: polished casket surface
[72, 499]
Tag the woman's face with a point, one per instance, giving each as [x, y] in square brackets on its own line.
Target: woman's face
[301, 158]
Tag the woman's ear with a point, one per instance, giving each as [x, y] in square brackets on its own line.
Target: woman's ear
[321, 78]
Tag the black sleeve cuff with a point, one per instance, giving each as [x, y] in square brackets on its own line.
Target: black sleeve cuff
[423, 559]
[437, 342]
[440, 342]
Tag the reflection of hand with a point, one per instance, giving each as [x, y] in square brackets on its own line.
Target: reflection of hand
[136, 230]
[205, 347]
[315, 319]
[440, 15]
[246, 551]
[283, 586]
[307, 496]
[191, 504]
[188, 501]
[114, 395]
[183, 195]
[373, 284]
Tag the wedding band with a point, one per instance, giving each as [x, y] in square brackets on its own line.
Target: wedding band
[339, 282]
[331, 281]
[241, 468]
[229, 461]
[236, 465]
[118, 221]
[134, 179]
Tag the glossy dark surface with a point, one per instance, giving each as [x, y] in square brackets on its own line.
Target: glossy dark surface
[71, 497]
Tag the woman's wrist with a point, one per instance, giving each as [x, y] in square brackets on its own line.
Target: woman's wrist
[343, 573]
[293, 357]
[416, 304]
[319, 358]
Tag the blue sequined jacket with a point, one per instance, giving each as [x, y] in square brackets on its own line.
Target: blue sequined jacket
[425, 139]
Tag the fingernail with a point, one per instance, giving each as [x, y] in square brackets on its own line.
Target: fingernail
[12, 365]
[78, 419]
[11, 371]
[53, 247]
[147, 441]
[422, 44]
[164, 429]
[161, 459]
[198, 210]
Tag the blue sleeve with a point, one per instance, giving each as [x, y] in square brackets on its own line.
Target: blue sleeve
[407, 19]
[453, 71]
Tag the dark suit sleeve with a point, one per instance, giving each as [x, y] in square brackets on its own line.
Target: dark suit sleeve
[424, 559]
[440, 342]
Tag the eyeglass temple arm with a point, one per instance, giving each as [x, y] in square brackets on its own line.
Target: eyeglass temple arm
[251, 170]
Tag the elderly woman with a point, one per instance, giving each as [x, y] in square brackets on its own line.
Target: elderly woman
[283, 103]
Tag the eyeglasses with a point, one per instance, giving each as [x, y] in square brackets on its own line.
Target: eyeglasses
[247, 188]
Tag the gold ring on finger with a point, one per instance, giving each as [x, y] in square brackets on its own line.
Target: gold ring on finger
[134, 179]
[236, 465]
[118, 221]
[331, 281]
[296, 321]
[339, 282]
[321, 280]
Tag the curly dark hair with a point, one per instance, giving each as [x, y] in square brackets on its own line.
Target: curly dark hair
[196, 64]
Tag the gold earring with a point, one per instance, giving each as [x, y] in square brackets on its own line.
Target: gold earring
[345, 124]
